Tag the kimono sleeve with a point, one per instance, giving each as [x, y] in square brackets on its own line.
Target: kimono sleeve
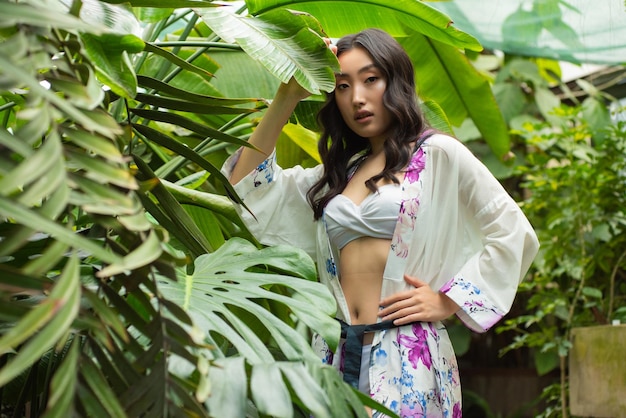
[487, 282]
[277, 208]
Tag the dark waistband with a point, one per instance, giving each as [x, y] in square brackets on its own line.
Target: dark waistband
[353, 347]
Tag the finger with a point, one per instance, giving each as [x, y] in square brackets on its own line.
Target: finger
[399, 308]
[414, 281]
[408, 319]
[387, 311]
[404, 316]
[329, 44]
[413, 313]
[396, 297]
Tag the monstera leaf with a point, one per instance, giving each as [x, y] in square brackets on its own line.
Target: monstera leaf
[239, 274]
[248, 302]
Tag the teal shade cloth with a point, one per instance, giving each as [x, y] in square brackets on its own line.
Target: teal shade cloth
[578, 31]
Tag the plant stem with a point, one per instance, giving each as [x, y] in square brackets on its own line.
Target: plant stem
[564, 410]
[572, 308]
[612, 285]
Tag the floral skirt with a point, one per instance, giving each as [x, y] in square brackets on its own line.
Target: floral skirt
[413, 370]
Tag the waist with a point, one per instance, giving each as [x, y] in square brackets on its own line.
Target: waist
[353, 347]
[358, 330]
[365, 254]
[361, 267]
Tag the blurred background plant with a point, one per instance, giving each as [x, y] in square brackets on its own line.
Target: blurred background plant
[129, 285]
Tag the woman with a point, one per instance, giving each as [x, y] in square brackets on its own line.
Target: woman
[407, 227]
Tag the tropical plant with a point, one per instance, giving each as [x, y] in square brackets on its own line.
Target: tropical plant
[129, 285]
[576, 184]
[567, 175]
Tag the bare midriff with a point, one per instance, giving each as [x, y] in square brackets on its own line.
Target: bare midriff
[361, 266]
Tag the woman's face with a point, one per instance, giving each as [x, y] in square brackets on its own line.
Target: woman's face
[359, 95]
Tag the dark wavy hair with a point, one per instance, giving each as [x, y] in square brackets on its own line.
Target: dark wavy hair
[339, 144]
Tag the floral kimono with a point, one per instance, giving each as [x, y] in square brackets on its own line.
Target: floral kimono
[457, 229]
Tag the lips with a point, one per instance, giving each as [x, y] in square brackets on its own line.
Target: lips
[359, 116]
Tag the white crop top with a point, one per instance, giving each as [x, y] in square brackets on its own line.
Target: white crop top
[375, 217]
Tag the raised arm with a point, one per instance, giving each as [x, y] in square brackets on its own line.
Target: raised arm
[267, 132]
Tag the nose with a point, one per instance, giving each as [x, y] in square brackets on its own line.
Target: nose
[358, 96]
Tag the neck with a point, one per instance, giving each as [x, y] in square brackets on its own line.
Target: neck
[377, 147]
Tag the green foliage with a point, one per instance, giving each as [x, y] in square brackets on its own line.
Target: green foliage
[522, 89]
[86, 230]
[128, 284]
[576, 185]
[570, 159]
[524, 27]
[444, 75]
[275, 38]
[442, 70]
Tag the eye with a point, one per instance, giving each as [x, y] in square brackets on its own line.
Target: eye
[342, 86]
[371, 79]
